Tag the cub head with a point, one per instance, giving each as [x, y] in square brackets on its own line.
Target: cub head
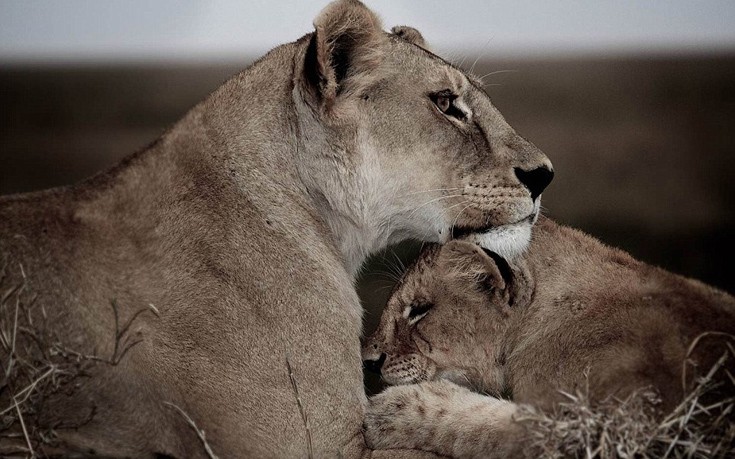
[420, 149]
[447, 317]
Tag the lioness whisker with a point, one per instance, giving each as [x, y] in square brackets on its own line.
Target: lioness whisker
[387, 277]
[458, 204]
[482, 53]
[461, 63]
[497, 72]
[399, 262]
[391, 273]
[432, 201]
[454, 222]
[429, 191]
[392, 268]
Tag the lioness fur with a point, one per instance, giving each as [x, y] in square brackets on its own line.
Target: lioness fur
[244, 226]
[569, 315]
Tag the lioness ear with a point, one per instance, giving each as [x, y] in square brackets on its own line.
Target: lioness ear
[469, 264]
[411, 35]
[345, 44]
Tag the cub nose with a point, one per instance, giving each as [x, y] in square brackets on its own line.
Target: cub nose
[374, 366]
[536, 180]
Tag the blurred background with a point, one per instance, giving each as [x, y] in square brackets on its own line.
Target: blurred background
[634, 101]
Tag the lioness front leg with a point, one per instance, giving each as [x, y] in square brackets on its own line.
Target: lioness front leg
[446, 419]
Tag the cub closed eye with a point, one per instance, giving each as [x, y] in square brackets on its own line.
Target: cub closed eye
[418, 310]
[444, 101]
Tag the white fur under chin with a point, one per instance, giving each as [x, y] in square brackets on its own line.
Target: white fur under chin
[507, 241]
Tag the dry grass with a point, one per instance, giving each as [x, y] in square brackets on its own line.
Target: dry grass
[35, 366]
[702, 426]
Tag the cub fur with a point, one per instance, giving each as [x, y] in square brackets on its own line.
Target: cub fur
[570, 314]
[244, 226]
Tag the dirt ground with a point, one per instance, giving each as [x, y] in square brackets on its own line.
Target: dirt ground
[643, 147]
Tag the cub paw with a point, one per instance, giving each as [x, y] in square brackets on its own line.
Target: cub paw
[391, 418]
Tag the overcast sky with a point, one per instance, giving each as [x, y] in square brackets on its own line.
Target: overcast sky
[78, 30]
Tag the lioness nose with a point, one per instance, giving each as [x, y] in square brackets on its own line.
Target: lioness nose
[374, 366]
[536, 180]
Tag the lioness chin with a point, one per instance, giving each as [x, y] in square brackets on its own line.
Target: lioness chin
[571, 314]
[244, 226]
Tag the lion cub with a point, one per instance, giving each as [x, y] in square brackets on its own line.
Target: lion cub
[571, 313]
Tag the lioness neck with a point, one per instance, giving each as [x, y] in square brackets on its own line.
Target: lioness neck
[255, 139]
[344, 181]
[355, 202]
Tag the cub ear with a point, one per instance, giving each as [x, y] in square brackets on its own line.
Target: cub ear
[345, 45]
[470, 264]
[411, 35]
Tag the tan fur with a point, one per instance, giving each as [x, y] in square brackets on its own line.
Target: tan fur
[568, 315]
[244, 225]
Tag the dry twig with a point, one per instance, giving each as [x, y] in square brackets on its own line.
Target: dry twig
[302, 411]
[199, 432]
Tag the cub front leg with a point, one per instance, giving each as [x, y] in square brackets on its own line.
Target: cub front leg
[446, 419]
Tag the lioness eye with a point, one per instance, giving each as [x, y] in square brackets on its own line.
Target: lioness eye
[444, 101]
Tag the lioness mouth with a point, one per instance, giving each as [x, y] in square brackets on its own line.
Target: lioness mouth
[459, 232]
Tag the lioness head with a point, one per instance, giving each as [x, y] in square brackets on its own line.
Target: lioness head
[446, 317]
[422, 152]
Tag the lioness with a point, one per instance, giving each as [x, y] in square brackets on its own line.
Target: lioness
[244, 226]
[569, 314]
